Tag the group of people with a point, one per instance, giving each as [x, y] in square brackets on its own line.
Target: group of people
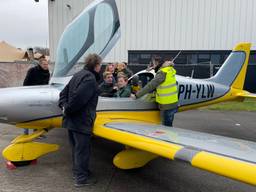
[78, 102]
[115, 81]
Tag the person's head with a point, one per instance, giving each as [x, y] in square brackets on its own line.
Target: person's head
[108, 77]
[122, 81]
[125, 64]
[93, 62]
[110, 68]
[168, 63]
[115, 65]
[44, 64]
[156, 60]
[120, 74]
[120, 66]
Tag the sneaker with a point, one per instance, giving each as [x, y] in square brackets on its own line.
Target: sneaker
[89, 175]
[90, 181]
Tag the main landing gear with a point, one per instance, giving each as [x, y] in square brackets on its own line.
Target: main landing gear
[24, 151]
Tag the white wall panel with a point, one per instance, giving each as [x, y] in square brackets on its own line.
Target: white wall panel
[167, 24]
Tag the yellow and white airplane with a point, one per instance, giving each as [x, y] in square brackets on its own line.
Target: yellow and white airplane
[133, 123]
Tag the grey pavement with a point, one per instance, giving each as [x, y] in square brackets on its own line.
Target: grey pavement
[53, 171]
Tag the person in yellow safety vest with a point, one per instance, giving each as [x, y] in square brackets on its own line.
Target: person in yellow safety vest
[166, 91]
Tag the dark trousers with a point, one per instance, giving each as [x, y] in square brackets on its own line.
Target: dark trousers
[167, 116]
[81, 149]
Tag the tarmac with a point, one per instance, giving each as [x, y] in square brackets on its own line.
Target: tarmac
[53, 171]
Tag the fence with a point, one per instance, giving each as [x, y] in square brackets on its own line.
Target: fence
[12, 74]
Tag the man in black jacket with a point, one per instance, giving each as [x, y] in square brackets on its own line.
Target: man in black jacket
[38, 75]
[78, 101]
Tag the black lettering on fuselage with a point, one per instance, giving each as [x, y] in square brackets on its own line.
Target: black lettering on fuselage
[203, 92]
[210, 91]
[181, 89]
[198, 88]
[188, 91]
[198, 91]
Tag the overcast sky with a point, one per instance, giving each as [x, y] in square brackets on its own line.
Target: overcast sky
[24, 23]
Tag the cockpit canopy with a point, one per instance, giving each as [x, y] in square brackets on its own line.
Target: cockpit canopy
[95, 30]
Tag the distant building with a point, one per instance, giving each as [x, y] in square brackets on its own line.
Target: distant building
[9, 53]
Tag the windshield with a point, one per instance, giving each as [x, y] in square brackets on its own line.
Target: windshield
[95, 30]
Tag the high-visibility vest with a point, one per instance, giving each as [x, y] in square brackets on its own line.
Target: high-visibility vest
[166, 92]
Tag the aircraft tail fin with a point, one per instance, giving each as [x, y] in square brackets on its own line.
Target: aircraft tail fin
[232, 73]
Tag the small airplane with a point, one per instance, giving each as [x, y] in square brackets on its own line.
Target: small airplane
[133, 123]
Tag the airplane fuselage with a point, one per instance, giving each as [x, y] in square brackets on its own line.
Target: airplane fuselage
[40, 103]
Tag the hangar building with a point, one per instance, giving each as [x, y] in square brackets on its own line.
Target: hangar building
[206, 31]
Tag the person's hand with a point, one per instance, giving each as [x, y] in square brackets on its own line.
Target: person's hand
[133, 96]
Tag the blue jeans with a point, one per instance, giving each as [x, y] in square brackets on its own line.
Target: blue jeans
[167, 116]
[26, 131]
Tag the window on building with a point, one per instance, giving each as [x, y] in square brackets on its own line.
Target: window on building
[133, 58]
[181, 59]
[204, 58]
[225, 56]
[215, 58]
[252, 59]
[168, 56]
[145, 58]
[192, 58]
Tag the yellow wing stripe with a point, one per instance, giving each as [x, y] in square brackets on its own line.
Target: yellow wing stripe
[225, 166]
[161, 148]
[158, 147]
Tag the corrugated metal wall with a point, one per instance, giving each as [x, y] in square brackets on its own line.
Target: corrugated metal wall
[167, 24]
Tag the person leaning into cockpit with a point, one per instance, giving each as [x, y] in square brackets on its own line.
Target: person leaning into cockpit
[166, 91]
[107, 88]
[124, 90]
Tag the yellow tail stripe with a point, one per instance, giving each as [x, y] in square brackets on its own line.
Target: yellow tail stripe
[225, 166]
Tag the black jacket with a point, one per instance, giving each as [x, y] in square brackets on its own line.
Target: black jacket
[106, 89]
[37, 76]
[79, 99]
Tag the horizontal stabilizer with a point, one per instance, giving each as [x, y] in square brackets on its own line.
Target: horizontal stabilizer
[233, 158]
[246, 94]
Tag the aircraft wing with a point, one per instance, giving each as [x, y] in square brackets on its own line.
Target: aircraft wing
[225, 156]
